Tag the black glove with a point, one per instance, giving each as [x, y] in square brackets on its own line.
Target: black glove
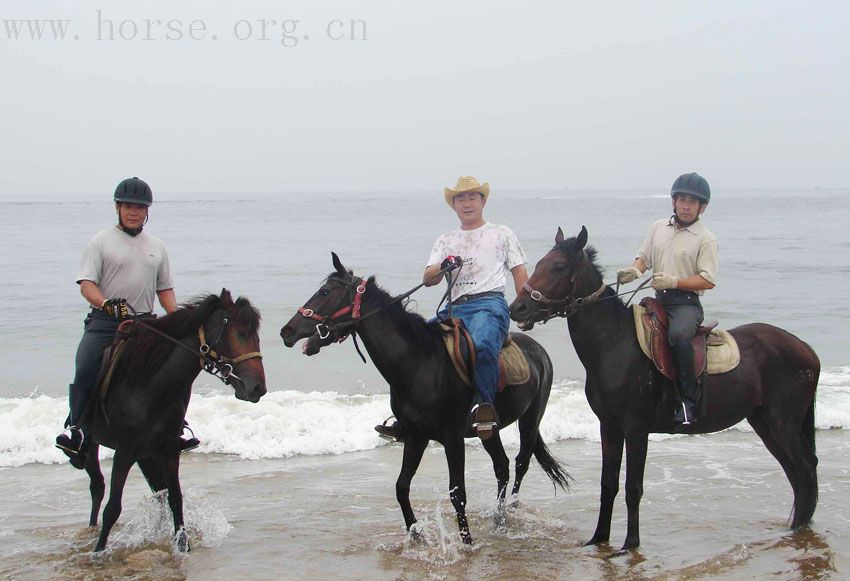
[116, 308]
[451, 263]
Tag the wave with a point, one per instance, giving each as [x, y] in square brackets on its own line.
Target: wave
[291, 423]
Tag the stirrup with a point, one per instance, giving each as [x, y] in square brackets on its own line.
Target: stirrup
[387, 428]
[69, 433]
[189, 443]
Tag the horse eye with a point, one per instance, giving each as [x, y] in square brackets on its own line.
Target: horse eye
[324, 292]
[559, 267]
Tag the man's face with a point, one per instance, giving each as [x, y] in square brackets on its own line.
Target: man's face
[469, 207]
[132, 215]
[687, 208]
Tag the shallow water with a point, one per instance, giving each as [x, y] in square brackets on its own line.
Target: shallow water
[714, 507]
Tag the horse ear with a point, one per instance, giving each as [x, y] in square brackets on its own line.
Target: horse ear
[226, 299]
[581, 239]
[559, 237]
[338, 264]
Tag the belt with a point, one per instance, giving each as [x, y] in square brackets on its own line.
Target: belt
[474, 297]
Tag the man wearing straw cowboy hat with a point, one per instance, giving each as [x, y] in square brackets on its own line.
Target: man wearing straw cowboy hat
[482, 254]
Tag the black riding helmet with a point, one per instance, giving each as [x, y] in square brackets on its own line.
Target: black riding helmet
[692, 184]
[134, 191]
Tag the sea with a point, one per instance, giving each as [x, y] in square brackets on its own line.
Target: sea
[299, 486]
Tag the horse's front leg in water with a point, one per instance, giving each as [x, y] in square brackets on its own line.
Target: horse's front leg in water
[170, 463]
[121, 464]
[97, 486]
[612, 458]
[501, 466]
[635, 464]
[414, 447]
[455, 456]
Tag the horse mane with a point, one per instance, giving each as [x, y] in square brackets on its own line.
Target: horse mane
[145, 352]
[412, 325]
[570, 249]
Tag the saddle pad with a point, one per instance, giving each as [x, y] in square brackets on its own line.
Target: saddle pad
[511, 355]
[723, 352]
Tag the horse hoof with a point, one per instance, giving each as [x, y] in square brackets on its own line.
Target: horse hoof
[181, 541]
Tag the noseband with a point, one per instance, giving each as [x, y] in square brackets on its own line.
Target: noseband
[324, 327]
[569, 305]
[220, 365]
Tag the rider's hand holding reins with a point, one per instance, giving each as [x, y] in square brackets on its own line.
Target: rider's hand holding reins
[451, 263]
[628, 274]
[664, 281]
[116, 308]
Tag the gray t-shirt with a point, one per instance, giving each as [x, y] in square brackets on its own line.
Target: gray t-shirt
[127, 267]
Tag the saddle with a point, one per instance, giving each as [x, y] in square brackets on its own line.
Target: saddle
[715, 350]
[513, 366]
[110, 356]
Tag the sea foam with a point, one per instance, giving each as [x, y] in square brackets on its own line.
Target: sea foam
[287, 423]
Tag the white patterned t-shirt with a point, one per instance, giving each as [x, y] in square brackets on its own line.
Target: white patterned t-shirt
[488, 253]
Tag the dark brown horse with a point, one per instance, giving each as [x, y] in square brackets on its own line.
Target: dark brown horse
[142, 415]
[426, 393]
[773, 387]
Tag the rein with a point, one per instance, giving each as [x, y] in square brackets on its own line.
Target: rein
[212, 362]
[568, 306]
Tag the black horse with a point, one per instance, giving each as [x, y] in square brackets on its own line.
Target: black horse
[143, 411]
[426, 393]
[773, 387]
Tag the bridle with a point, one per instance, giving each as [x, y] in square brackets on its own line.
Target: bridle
[326, 322]
[570, 305]
[214, 363]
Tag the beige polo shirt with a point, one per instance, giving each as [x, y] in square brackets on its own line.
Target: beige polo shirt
[682, 252]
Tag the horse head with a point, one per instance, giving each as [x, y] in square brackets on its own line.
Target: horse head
[327, 316]
[232, 332]
[559, 282]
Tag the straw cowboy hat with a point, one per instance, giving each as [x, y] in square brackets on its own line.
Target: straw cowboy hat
[466, 184]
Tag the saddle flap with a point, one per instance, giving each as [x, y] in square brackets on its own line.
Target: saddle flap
[513, 365]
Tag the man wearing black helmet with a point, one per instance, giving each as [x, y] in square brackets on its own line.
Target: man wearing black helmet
[683, 255]
[123, 270]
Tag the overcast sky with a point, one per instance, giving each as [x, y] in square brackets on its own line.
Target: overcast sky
[523, 94]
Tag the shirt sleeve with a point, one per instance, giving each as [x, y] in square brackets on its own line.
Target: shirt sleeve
[91, 264]
[163, 273]
[514, 254]
[708, 260]
[438, 252]
[645, 251]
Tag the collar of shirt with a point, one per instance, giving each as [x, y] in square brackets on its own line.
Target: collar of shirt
[696, 228]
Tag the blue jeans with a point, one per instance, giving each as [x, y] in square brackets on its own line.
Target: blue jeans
[487, 320]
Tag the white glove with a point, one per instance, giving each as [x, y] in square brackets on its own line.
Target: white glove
[627, 275]
[663, 281]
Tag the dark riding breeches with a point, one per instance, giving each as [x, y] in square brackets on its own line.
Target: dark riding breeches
[98, 334]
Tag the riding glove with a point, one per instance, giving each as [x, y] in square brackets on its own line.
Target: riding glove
[628, 274]
[451, 263]
[116, 308]
[663, 281]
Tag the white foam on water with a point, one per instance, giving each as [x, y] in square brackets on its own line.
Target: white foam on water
[289, 423]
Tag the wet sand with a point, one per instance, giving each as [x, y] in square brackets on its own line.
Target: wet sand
[714, 507]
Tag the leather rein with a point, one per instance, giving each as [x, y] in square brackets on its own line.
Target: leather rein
[214, 363]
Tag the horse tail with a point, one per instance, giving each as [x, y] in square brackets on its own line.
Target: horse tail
[552, 467]
[805, 505]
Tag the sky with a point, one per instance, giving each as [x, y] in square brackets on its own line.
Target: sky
[398, 96]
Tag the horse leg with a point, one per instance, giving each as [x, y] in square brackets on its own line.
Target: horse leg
[121, 464]
[612, 457]
[97, 485]
[455, 456]
[759, 423]
[414, 447]
[170, 465]
[501, 466]
[635, 464]
[153, 474]
[528, 435]
[790, 438]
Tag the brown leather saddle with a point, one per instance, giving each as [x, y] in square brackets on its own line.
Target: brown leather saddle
[655, 318]
[513, 366]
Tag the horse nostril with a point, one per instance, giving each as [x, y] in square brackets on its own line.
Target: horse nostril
[285, 332]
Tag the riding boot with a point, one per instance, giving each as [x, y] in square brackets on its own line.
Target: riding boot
[683, 359]
[392, 432]
[74, 440]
